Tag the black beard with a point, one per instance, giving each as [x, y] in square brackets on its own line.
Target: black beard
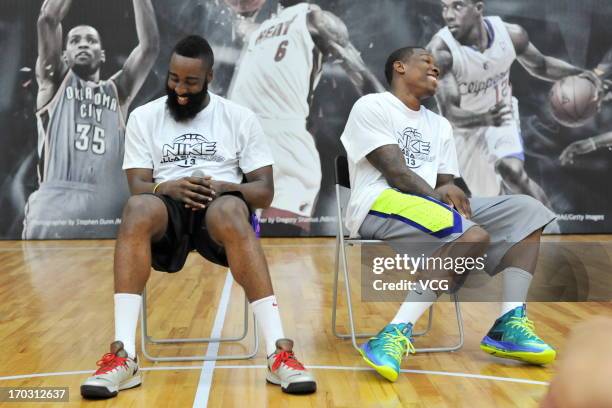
[182, 113]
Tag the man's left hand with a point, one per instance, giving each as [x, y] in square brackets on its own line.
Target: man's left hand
[600, 85]
[456, 198]
[218, 187]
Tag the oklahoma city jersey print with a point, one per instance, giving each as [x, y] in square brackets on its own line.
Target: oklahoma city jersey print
[80, 145]
[81, 133]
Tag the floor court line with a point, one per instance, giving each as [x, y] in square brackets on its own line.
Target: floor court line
[108, 248]
[314, 367]
[206, 376]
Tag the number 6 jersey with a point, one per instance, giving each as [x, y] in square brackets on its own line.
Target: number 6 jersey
[279, 67]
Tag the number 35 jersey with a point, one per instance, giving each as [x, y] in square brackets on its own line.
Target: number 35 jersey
[483, 77]
[279, 67]
[81, 134]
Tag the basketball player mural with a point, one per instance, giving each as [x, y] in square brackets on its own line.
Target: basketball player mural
[602, 121]
[278, 71]
[475, 54]
[81, 125]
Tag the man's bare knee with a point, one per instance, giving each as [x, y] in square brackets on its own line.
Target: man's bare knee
[476, 235]
[144, 214]
[227, 218]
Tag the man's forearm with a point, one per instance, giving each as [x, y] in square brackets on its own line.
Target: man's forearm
[359, 74]
[390, 161]
[604, 68]
[257, 194]
[603, 140]
[55, 10]
[146, 24]
[444, 180]
[411, 183]
[465, 119]
[370, 82]
[361, 77]
[140, 186]
[554, 69]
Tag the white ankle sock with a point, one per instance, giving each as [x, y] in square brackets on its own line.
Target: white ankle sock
[414, 306]
[127, 309]
[516, 284]
[269, 321]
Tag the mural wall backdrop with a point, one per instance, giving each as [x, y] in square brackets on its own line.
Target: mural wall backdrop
[529, 96]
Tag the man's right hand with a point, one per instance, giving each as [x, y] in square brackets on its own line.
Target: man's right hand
[579, 147]
[498, 115]
[600, 85]
[195, 192]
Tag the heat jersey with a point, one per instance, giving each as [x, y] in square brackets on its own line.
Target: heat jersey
[279, 67]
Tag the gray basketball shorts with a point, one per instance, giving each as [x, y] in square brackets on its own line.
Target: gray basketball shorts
[408, 221]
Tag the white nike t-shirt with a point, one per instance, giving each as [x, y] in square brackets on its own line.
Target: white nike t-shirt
[224, 141]
[425, 138]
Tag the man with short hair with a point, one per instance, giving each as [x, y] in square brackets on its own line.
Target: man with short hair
[402, 163]
[475, 53]
[173, 210]
[81, 124]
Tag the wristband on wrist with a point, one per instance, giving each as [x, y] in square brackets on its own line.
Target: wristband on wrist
[156, 187]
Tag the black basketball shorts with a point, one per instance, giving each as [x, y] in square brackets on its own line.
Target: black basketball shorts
[187, 231]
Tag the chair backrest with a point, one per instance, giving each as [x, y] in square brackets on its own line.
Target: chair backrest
[342, 172]
[343, 186]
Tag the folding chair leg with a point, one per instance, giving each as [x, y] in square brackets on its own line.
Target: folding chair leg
[430, 313]
[335, 293]
[335, 307]
[459, 344]
[146, 338]
[347, 287]
[341, 253]
[335, 298]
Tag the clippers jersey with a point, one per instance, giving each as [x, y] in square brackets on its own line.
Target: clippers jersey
[483, 77]
[279, 67]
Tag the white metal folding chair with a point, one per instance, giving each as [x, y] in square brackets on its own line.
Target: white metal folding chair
[145, 338]
[343, 182]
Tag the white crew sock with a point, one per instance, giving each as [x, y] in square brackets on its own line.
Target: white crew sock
[269, 321]
[127, 309]
[414, 306]
[516, 284]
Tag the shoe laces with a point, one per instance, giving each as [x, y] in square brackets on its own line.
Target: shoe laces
[525, 325]
[397, 344]
[287, 358]
[109, 362]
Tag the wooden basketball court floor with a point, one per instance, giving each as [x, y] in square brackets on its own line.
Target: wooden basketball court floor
[56, 320]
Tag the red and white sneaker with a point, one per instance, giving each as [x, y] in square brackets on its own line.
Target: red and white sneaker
[285, 370]
[117, 372]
